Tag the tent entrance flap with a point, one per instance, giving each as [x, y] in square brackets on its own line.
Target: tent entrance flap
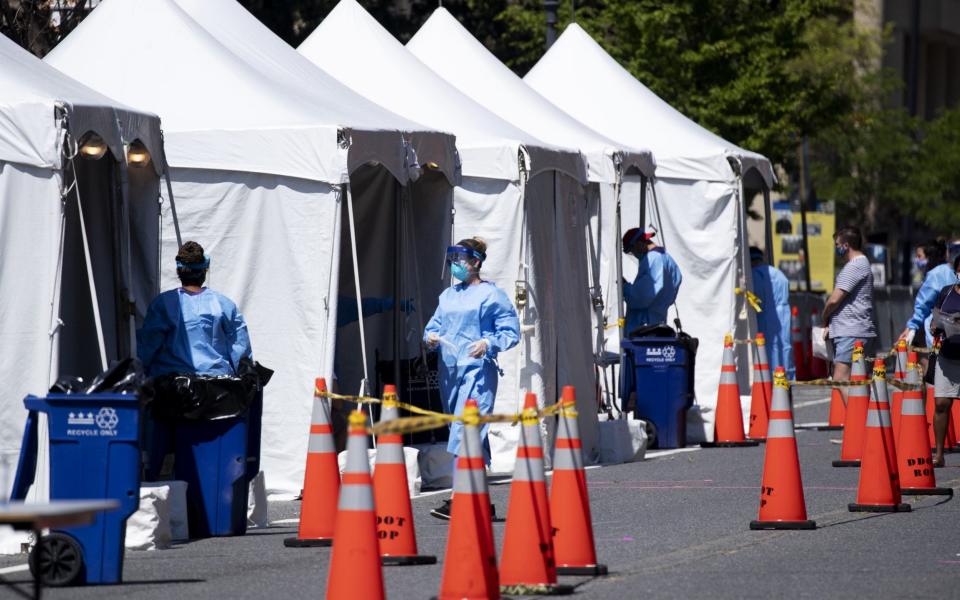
[388, 284]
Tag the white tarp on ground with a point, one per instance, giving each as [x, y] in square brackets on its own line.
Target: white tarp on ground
[47, 323]
[699, 190]
[256, 167]
[491, 201]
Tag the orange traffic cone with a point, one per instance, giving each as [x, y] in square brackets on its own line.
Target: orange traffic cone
[761, 390]
[569, 499]
[398, 538]
[470, 563]
[321, 479]
[528, 564]
[355, 572]
[781, 494]
[855, 419]
[955, 423]
[879, 487]
[913, 452]
[796, 342]
[900, 367]
[728, 418]
[837, 412]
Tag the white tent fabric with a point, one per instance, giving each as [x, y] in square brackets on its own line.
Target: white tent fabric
[557, 230]
[248, 38]
[219, 111]
[700, 181]
[445, 46]
[502, 192]
[48, 326]
[461, 59]
[257, 167]
[350, 45]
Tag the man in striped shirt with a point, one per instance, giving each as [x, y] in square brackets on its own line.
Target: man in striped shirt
[848, 313]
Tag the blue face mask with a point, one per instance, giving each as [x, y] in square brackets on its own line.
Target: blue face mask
[459, 271]
[920, 263]
[842, 250]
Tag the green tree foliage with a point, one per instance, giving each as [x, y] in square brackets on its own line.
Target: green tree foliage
[935, 182]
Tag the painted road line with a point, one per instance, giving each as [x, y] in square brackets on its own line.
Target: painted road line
[14, 569]
[811, 403]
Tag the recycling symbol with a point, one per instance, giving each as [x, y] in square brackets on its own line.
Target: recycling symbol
[107, 418]
[669, 352]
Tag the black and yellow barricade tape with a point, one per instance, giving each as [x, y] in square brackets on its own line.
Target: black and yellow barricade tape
[428, 419]
[752, 299]
[830, 383]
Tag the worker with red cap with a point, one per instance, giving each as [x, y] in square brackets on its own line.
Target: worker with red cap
[655, 287]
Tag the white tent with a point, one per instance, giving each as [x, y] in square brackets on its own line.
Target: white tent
[260, 170]
[79, 234]
[452, 52]
[493, 200]
[700, 189]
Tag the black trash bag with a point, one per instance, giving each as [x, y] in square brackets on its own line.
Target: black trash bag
[68, 384]
[123, 377]
[192, 397]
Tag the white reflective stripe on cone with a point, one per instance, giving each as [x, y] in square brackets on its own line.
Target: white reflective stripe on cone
[780, 428]
[389, 453]
[320, 442]
[913, 407]
[878, 418]
[355, 496]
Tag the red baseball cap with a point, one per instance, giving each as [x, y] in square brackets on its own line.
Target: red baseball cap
[633, 235]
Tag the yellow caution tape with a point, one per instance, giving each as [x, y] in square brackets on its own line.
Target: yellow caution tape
[829, 383]
[752, 298]
[429, 419]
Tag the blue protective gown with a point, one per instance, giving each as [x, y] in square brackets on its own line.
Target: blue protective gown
[936, 279]
[466, 314]
[200, 333]
[773, 289]
[653, 291]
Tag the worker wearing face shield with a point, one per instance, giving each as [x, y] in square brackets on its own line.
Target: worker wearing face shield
[655, 287]
[473, 323]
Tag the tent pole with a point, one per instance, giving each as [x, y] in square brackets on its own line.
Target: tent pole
[130, 305]
[365, 384]
[55, 321]
[92, 285]
[768, 222]
[173, 205]
[397, 282]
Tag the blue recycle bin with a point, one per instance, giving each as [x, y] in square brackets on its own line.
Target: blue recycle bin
[94, 455]
[218, 459]
[660, 371]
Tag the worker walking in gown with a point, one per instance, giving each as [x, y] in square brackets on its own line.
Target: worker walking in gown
[473, 323]
[773, 289]
[655, 288]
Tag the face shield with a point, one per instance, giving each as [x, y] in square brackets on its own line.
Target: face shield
[462, 254]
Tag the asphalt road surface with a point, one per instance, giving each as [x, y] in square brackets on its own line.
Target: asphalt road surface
[674, 526]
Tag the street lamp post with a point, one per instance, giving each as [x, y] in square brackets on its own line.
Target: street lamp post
[550, 8]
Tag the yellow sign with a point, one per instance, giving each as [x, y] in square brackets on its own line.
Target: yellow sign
[788, 248]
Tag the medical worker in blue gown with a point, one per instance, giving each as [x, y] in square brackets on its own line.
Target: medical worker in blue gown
[473, 323]
[773, 289]
[190, 330]
[655, 288]
[931, 260]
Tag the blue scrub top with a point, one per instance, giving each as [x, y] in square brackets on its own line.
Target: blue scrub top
[773, 289]
[466, 314]
[184, 332]
[653, 291]
[936, 279]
